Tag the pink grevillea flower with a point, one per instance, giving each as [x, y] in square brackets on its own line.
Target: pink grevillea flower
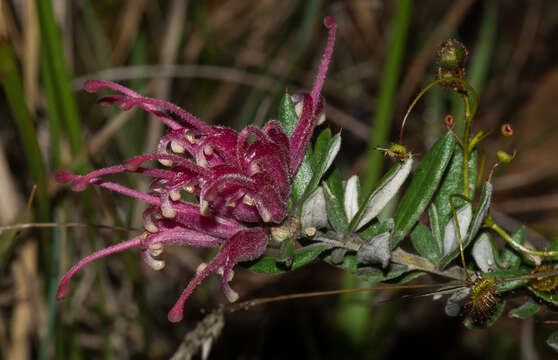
[241, 183]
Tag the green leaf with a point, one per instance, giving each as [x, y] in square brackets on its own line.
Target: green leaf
[423, 185]
[352, 197]
[325, 150]
[485, 253]
[373, 229]
[451, 236]
[425, 244]
[435, 225]
[452, 184]
[503, 285]
[476, 223]
[269, 264]
[286, 252]
[376, 274]
[552, 341]
[334, 195]
[368, 273]
[509, 258]
[384, 192]
[526, 310]
[549, 297]
[288, 119]
[287, 114]
[321, 145]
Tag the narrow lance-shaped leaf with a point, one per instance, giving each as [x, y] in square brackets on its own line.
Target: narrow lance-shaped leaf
[352, 197]
[325, 151]
[333, 192]
[435, 225]
[509, 258]
[423, 185]
[525, 311]
[269, 264]
[314, 211]
[478, 218]
[376, 251]
[452, 184]
[379, 198]
[485, 254]
[451, 235]
[425, 244]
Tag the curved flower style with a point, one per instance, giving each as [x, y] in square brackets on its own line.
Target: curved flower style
[239, 183]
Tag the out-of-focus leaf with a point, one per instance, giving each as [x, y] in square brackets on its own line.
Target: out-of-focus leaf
[526, 310]
[334, 192]
[552, 341]
[385, 191]
[423, 185]
[425, 244]
[485, 254]
[478, 219]
[269, 264]
[352, 197]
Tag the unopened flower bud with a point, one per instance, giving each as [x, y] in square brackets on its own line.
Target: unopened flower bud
[504, 157]
[452, 55]
[449, 120]
[506, 130]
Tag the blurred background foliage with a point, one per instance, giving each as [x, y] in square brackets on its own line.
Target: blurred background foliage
[229, 62]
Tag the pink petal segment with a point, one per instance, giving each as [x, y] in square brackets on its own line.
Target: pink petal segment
[245, 245]
[63, 286]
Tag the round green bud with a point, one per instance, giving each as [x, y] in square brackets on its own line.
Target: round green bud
[452, 55]
[504, 157]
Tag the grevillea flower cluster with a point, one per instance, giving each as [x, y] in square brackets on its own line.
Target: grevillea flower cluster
[242, 181]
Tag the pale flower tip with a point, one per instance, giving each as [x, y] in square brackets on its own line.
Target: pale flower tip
[175, 195]
[158, 264]
[175, 315]
[321, 118]
[232, 295]
[168, 212]
[91, 86]
[177, 148]
[201, 267]
[61, 292]
[165, 162]
[329, 22]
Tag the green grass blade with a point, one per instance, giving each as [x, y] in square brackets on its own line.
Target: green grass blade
[11, 82]
[381, 121]
[54, 55]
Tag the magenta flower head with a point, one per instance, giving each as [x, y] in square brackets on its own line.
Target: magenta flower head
[240, 184]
